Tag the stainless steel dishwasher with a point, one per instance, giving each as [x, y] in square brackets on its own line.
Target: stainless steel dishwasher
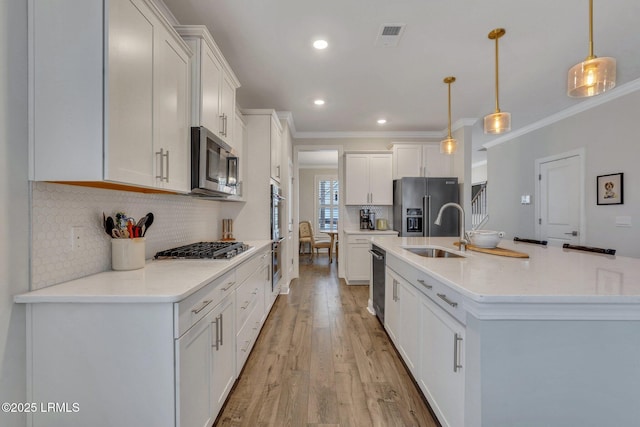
[378, 267]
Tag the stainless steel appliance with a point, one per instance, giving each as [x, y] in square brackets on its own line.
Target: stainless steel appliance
[214, 166]
[367, 219]
[416, 202]
[204, 250]
[378, 263]
[276, 234]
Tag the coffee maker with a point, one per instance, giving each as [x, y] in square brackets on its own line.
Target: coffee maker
[367, 220]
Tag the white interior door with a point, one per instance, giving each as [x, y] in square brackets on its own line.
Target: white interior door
[561, 190]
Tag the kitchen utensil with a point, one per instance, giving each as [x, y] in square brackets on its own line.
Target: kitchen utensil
[147, 223]
[485, 238]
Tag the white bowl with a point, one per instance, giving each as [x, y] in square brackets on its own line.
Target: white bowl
[487, 239]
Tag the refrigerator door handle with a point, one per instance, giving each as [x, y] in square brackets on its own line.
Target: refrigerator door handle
[426, 216]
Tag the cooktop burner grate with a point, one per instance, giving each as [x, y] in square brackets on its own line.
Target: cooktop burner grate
[204, 250]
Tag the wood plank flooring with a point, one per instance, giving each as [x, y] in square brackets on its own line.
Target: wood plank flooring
[323, 360]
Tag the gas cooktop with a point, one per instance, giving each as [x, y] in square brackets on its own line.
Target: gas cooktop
[204, 250]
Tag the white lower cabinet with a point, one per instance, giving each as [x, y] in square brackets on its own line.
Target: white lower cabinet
[194, 394]
[223, 372]
[402, 317]
[358, 259]
[442, 373]
[148, 363]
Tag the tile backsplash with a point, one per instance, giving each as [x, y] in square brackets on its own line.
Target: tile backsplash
[57, 209]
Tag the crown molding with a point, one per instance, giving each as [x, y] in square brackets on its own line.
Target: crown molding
[619, 91]
[288, 117]
[367, 134]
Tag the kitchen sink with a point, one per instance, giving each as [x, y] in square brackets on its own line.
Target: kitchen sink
[431, 252]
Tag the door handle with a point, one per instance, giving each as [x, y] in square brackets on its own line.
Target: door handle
[573, 233]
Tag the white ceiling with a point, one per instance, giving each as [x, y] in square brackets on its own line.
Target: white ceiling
[268, 45]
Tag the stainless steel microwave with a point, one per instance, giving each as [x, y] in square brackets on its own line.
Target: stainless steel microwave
[214, 165]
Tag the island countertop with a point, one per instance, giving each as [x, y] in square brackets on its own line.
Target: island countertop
[550, 275]
[160, 281]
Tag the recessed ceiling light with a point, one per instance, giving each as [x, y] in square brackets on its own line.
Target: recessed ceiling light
[382, 121]
[320, 44]
[319, 102]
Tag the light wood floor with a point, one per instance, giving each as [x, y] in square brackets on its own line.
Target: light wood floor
[322, 359]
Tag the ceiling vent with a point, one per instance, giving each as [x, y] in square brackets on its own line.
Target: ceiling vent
[389, 35]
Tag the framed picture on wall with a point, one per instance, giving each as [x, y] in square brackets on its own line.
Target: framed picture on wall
[610, 189]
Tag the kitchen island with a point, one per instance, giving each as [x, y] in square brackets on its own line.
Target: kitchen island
[550, 340]
[160, 346]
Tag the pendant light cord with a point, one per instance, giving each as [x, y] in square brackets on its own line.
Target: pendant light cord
[591, 55]
[497, 105]
[449, 84]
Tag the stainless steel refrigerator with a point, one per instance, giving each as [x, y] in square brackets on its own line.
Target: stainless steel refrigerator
[416, 203]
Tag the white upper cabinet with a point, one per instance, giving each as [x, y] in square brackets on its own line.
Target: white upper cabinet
[213, 84]
[368, 179]
[415, 160]
[104, 103]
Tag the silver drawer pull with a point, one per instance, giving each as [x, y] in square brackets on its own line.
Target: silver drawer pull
[456, 352]
[247, 346]
[255, 291]
[425, 284]
[244, 307]
[447, 300]
[228, 287]
[204, 304]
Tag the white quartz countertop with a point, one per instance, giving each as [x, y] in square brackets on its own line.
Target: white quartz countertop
[160, 281]
[372, 232]
[549, 275]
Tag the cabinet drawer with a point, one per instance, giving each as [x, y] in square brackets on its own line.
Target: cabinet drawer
[357, 238]
[193, 308]
[247, 268]
[445, 297]
[247, 296]
[246, 338]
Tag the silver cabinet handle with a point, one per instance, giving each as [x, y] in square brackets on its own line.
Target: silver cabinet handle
[167, 170]
[425, 284]
[277, 171]
[221, 330]
[221, 131]
[230, 285]
[216, 339]
[573, 233]
[255, 291]
[447, 300]
[457, 339]
[376, 255]
[199, 309]
[395, 290]
[244, 307]
[248, 342]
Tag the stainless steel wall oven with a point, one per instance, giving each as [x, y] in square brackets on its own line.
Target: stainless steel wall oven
[277, 206]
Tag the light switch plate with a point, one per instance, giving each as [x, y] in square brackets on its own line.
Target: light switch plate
[525, 199]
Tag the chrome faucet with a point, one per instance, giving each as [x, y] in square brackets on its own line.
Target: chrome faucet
[438, 221]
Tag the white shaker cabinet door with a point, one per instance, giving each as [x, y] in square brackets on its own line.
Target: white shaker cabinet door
[442, 371]
[381, 179]
[194, 398]
[129, 139]
[223, 369]
[210, 75]
[172, 150]
[357, 179]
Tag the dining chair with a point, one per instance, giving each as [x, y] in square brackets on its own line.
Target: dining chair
[306, 235]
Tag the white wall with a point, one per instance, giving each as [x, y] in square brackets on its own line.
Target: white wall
[609, 134]
[14, 205]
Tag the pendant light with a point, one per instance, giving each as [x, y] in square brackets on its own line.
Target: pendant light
[449, 145]
[594, 75]
[499, 121]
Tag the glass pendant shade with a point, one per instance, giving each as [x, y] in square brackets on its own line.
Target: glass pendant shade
[591, 77]
[448, 146]
[497, 122]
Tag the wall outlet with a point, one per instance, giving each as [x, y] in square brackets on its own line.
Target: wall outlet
[77, 238]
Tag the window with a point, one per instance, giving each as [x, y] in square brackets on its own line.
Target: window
[327, 202]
